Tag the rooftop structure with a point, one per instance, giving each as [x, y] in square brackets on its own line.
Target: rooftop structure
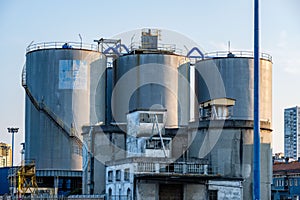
[286, 180]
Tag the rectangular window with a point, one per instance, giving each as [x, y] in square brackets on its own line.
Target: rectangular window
[118, 175]
[126, 174]
[110, 176]
[155, 143]
[291, 182]
[150, 118]
[296, 182]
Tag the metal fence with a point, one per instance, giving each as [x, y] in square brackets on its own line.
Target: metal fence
[61, 45]
[242, 54]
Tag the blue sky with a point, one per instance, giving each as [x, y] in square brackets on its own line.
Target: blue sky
[211, 24]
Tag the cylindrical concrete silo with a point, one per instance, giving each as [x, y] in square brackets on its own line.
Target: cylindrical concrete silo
[228, 143]
[152, 79]
[65, 89]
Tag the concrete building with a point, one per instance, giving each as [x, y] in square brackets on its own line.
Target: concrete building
[157, 165]
[291, 132]
[5, 155]
[286, 181]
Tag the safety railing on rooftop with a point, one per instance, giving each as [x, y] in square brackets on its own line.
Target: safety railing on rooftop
[61, 45]
[245, 54]
[161, 47]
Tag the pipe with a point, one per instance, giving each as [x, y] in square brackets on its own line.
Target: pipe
[256, 136]
[124, 47]
[197, 50]
[113, 49]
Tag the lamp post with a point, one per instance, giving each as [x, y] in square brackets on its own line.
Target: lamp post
[12, 131]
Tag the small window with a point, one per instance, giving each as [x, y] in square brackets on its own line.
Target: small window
[291, 182]
[155, 143]
[213, 194]
[118, 175]
[296, 182]
[126, 174]
[110, 176]
[150, 118]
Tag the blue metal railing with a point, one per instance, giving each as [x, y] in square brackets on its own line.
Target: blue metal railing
[245, 54]
[61, 45]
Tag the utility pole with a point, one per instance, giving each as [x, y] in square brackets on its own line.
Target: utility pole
[256, 136]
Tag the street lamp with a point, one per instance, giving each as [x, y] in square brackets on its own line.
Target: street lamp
[12, 131]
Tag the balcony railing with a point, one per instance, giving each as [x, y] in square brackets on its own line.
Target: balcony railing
[174, 168]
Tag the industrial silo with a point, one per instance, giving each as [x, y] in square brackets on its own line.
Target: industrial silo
[236, 74]
[151, 77]
[65, 89]
[224, 135]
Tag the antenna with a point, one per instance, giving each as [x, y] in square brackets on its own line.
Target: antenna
[80, 41]
[131, 41]
[229, 46]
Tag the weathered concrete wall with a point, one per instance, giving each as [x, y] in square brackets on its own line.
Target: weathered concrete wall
[227, 190]
[230, 152]
[195, 192]
[179, 145]
[146, 191]
[106, 147]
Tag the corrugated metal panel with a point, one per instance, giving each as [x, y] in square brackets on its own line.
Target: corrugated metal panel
[55, 173]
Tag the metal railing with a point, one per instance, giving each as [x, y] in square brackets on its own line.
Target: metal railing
[243, 54]
[161, 47]
[174, 168]
[61, 45]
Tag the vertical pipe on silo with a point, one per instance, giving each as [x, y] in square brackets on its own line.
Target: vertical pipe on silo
[256, 137]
